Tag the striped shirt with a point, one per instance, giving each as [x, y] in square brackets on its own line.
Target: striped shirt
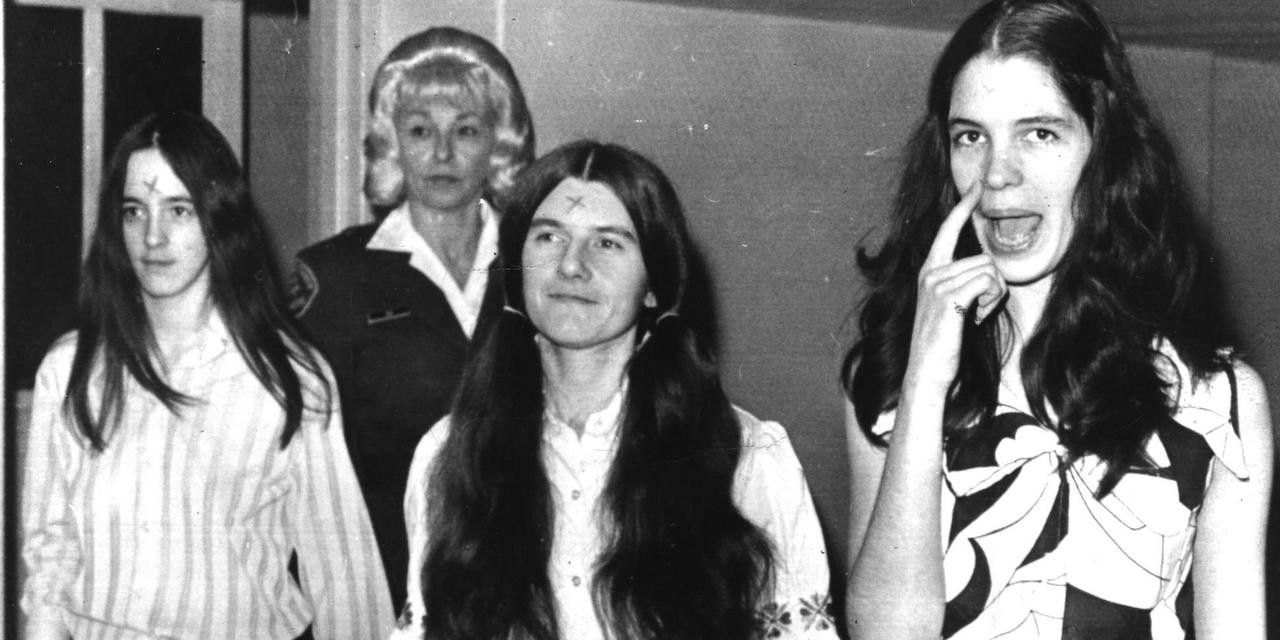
[184, 526]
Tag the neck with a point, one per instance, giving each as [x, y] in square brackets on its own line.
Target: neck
[452, 234]
[580, 382]
[1025, 307]
[175, 320]
[446, 225]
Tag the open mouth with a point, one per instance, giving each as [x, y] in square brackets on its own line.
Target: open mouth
[1011, 233]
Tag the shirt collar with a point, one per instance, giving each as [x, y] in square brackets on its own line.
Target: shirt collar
[209, 342]
[396, 233]
[601, 424]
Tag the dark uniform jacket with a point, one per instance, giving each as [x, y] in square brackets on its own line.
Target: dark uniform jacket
[397, 352]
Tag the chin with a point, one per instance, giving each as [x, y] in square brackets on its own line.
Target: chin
[1024, 272]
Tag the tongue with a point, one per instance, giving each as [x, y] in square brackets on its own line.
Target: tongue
[1015, 230]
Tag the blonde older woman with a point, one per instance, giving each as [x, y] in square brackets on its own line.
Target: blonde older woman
[395, 305]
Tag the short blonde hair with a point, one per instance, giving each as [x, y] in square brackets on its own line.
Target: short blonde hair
[456, 64]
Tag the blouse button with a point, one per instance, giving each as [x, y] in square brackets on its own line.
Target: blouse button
[576, 494]
[577, 581]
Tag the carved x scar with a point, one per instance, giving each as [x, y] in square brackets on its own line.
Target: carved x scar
[574, 203]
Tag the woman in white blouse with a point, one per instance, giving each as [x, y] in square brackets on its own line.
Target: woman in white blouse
[593, 480]
[184, 442]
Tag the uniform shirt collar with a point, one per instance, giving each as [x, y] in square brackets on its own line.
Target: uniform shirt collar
[396, 233]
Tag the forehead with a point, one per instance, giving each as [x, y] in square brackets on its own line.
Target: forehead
[437, 93]
[440, 108]
[992, 89]
[148, 173]
[579, 203]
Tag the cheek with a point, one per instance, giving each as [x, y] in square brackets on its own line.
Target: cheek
[965, 168]
[531, 268]
[133, 243]
[639, 283]
[411, 154]
[478, 155]
[193, 242]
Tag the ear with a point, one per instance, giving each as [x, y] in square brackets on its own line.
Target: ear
[650, 300]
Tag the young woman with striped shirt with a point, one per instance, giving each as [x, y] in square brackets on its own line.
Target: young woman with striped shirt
[184, 442]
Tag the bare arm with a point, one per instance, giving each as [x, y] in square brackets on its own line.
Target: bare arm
[895, 587]
[1229, 569]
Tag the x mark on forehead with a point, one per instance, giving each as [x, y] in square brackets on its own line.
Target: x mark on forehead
[151, 184]
[574, 203]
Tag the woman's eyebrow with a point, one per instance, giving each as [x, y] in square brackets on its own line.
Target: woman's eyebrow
[608, 228]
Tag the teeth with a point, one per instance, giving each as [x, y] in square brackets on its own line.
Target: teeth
[1015, 233]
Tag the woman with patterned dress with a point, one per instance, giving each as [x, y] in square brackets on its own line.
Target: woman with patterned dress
[593, 480]
[1048, 436]
[186, 444]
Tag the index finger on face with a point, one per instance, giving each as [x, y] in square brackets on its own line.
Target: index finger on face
[944, 245]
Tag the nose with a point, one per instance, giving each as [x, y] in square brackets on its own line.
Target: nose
[572, 263]
[1004, 169]
[442, 147]
[157, 230]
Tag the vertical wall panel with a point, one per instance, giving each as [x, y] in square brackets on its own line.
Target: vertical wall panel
[152, 64]
[1246, 186]
[42, 182]
[277, 151]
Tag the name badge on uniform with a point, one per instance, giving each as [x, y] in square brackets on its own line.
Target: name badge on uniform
[378, 317]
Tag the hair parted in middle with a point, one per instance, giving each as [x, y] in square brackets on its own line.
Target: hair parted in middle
[673, 535]
[115, 340]
[1134, 271]
[459, 65]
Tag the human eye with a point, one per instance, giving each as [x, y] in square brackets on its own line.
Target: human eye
[131, 213]
[1042, 135]
[414, 127]
[611, 243]
[543, 236]
[183, 210]
[965, 138]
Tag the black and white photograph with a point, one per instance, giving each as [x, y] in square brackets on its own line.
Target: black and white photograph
[629, 319]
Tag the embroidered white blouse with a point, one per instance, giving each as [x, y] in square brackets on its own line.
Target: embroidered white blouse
[769, 489]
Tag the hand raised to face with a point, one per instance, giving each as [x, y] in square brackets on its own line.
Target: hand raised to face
[947, 289]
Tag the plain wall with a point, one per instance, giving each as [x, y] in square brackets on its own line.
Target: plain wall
[276, 155]
[783, 137]
[1246, 190]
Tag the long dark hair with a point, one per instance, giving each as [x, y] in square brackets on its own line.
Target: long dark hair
[114, 332]
[1133, 273]
[680, 560]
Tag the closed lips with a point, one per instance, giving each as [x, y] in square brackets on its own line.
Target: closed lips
[570, 297]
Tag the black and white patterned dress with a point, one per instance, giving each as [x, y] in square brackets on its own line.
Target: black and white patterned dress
[1030, 552]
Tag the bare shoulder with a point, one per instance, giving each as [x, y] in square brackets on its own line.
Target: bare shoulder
[1254, 412]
